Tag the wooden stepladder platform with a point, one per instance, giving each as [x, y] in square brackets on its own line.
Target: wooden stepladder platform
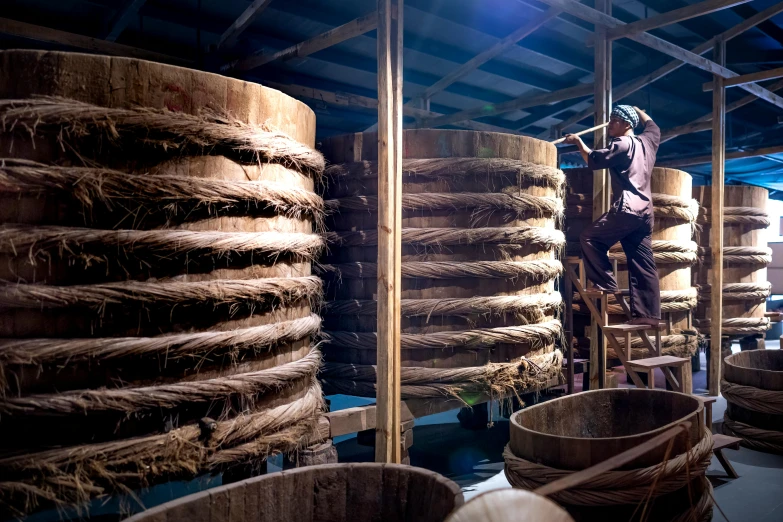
[597, 302]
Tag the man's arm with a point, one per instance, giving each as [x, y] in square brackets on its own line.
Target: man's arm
[651, 130]
[600, 158]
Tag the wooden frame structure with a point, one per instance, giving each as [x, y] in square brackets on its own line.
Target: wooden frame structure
[388, 21]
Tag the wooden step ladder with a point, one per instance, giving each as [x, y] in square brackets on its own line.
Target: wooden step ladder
[597, 302]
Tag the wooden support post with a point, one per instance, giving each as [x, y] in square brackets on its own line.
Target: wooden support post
[716, 234]
[568, 291]
[601, 185]
[387, 447]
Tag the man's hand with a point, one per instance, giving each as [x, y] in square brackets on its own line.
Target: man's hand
[584, 150]
[643, 117]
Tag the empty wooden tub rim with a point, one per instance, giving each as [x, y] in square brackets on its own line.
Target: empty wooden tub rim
[572, 452]
[265, 491]
[756, 368]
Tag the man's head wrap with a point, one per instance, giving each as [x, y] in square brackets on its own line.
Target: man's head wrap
[626, 113]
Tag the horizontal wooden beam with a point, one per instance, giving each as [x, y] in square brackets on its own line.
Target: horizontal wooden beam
[597, 17]
[671, 17]
[631, 86]
[86, 43]
[363, 102]
[487, 55]
[248, 16]
[748, 78]
[703, 160]
[523, 102]
[123, 18]
[705, 122]
[332, 37]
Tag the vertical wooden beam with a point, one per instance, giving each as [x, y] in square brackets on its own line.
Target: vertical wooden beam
[387, 436]
[601, 185]
[716, 232]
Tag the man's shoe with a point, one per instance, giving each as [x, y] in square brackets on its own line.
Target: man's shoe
[647, 321]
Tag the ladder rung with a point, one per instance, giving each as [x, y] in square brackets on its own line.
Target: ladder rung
[658, 362]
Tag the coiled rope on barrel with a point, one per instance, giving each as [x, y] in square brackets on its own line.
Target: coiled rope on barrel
[738, 325]
[738, 216]
[742, 255]
[664, 252]
[614, 487]
[665, 206]
[671, 301]
[752, 398]
[210, 132]
[738, 291]
[540, 270]
[753, 437]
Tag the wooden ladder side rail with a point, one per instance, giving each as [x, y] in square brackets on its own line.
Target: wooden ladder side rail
[624, 359]
[569, 332]
[600, 321]
[586, 475]
[667, 372]
[581, 290]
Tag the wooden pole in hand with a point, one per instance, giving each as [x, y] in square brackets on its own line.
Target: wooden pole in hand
[388, 425]
[586, 131]
[716, 232]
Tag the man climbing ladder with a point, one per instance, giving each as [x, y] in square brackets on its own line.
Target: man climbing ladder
[630, 160]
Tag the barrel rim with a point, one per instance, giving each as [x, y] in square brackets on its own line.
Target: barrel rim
[515, 424]
[150, 514]
[729, 360]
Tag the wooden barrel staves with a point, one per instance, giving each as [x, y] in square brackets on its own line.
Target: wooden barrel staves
[674, 250]
[480, 237]
[156, 245]
[745, 260]
[753, 388]
[554, 439]
[334, 492]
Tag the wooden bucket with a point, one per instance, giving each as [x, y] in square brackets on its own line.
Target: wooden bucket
[746, 256]
[675, 253]
[753, 388]
[157, 260]
[572, 433]
[480, 230]
[333, 492]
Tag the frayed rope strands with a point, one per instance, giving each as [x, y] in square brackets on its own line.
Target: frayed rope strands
[136, 400]
[671, 301]
[539, 270]
[753, 437]
[437, 307]
[613, 488]
[282, 289]
[90, 185]
[752, 398]
[455, 167]
[738, 291]
[677, 345]
[73, 475]
[742, 255]
[171, 131]
[518, 203]
[738, 216]
[664, 252]
[579, 205]
[537, 236]
[196, 345]
[495, 379]
[738, 325]
[38, 242]
[537, 335]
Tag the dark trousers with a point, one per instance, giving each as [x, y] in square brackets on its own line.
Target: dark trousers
[635, 235]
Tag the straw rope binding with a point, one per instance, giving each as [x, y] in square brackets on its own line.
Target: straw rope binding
[671, 301]
[738, 216]
[742, 255]
[73, 475]
[112, 187]
[173, 132]
[758, 292]
[458, 167]
[537, 335]
[665, 206]
[752, 398]
[537, 236]
[753, 437]
[491, 305]
[738, 325]
[495, 379]
[539, 270]
[664, 252]
[615, 487]
[216, 292]
[40, 242]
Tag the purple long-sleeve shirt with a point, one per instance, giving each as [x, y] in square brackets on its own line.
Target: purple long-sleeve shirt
[630, 160]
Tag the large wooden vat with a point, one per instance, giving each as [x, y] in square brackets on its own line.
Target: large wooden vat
[480, 257]
[746, 256]
[333, 492]
[556, 438]
[156, 239]
[674, 250]
[753, 387]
